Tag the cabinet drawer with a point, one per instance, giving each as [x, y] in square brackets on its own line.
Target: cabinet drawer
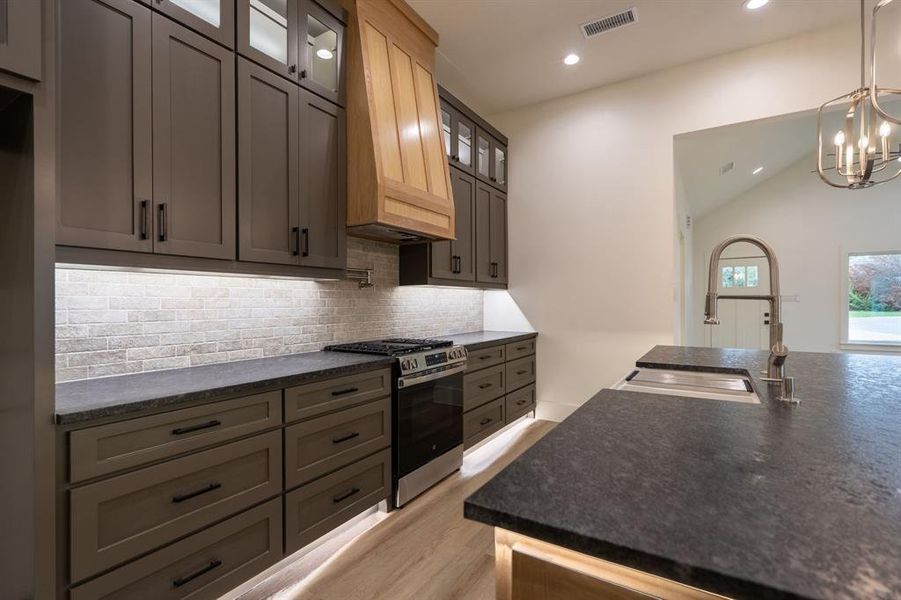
[313, 399]
[116, 519]
[117, 446]
[206, 564]
[486, 357]
[520, 349]
[482, 422]
[321, 445]
[315, 509]
[482, 386]
[519, 403]
[520, 373]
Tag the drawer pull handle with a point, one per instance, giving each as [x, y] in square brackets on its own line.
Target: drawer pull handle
[521, 347]
[522, 372]
[486, 357]
[194, 494]
[180, 581]
[485, 421]
[521, 402]
[346, 495]
[344, 438]
[198, 427]
[350, 390]
[485, 386]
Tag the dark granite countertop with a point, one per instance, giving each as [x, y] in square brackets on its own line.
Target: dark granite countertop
[475, 340]
[746, 500]
[90, 399]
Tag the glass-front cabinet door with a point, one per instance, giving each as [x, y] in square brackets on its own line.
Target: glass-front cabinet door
[447, 128]
[267, 34]
[464, 131]
[212, 18]
[483, 156]
[320, 45]
[499, 165]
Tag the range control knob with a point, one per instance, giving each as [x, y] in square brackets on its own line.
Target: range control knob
[415, 363]
[405, 364]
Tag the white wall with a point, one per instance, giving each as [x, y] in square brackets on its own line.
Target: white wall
[810, 226]
[591, 201]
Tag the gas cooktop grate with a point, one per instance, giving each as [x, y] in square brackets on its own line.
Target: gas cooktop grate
[390, 347]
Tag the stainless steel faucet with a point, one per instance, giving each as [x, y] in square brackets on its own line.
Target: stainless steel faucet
[775, 372]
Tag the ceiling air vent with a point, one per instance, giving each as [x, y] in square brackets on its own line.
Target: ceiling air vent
[600, 26]
[727, 167]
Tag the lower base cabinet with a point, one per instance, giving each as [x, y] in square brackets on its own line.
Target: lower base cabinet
[498, 388]
[206, 564]
[314, 509]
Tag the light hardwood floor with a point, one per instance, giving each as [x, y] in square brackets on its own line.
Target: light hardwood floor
[425, 551]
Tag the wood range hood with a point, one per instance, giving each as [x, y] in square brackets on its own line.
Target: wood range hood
[398, 184]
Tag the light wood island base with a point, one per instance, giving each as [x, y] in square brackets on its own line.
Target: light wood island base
[529, 569]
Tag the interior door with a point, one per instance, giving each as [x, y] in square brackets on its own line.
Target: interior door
[323, 183]
[193, 143]
[743, 323]
[268, 166]
[105, 142]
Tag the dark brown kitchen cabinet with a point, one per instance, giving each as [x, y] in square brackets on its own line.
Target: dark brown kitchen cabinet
[297, 39]
[213, 18]
[491, 235]
[455, 259]
[193, 144]
[267, 34]
[457, 132]
[105, 142]
[323, 180]
[291, 171]
[477, 154]
[20, 37]
[321, 51]
[268, 166]
[491, 160]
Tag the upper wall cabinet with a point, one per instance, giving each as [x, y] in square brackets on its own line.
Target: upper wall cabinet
[291, 172]
[297, 39]
[491, 160]
[457, 133]
[20, 38]
[147, 139]
[213, 18]
[401, 188]
[193, 144]
[478, 256]
[105, 140]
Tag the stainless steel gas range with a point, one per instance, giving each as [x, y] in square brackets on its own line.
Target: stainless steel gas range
[427, 410]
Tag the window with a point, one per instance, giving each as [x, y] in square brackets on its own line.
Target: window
[744, 276]
[874, 298]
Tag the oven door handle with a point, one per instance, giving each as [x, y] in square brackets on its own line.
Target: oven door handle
[411, 380]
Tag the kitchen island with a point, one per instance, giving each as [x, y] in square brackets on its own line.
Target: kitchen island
[683, 497]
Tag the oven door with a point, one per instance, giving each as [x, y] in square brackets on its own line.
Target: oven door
[428, 417]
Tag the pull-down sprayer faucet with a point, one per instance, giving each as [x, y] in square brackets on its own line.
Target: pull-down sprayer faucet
[775, 372]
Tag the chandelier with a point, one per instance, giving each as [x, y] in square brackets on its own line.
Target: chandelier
[861, 153]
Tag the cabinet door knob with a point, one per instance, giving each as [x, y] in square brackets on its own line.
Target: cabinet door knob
[292, 69]
[303, 73]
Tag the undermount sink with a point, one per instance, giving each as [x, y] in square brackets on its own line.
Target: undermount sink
[690, 384]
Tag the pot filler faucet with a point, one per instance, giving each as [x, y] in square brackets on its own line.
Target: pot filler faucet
[775, 372]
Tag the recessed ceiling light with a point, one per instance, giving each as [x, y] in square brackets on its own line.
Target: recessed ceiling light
[755, 4]
[324, 53]
[757, 170]
[571, 59]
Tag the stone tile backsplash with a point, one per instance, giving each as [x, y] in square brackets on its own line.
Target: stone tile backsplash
[118, 322]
